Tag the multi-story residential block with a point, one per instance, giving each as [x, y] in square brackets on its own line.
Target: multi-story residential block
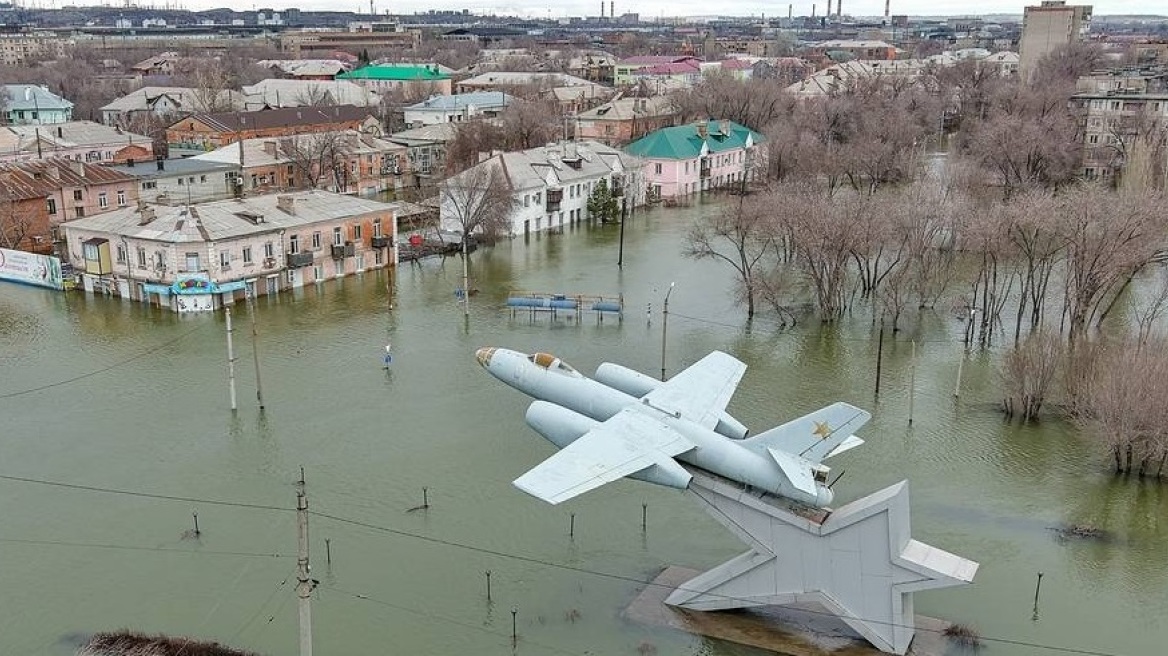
[425, 150]
[410, 80]
[1125, 137]
[167, 103]
[623, 120]
[549, 186]
[38, 196]
[29, 104]
[211, 131]
[344, 162]
[182, 180]
[23, 48]
[689, 159]
[867, 50]
[457, 108]
[198, 257]
[1048, 26]
[368, 36]
[624, 69]
[77, 140]
[270, 94]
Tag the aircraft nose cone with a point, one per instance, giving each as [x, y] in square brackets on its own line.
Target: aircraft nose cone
[483, 355]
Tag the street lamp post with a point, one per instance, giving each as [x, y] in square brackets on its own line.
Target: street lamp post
[665, 326]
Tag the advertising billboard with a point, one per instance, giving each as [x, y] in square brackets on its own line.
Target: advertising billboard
[30, 268]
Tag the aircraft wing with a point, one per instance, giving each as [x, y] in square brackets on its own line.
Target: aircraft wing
[702, 391]
[628, 442]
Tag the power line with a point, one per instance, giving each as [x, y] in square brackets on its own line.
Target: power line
[483, 550]
[133, 547]
[145, 495]
[142, 354]
[443, 618]
[264, 605]
[633, 579]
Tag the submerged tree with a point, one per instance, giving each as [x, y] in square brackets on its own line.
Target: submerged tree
[602, 204]
[479, 200]
[741, 235]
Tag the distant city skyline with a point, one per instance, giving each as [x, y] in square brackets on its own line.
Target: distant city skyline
[657, 8]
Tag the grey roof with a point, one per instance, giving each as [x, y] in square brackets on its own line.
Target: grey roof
[531, 169]
[70, 134]
[297, 93]
[226, 219]
[460, 101]
[257, 152]
[440, 132]
[622, 109]
[178, 166]
[22, 97]
[186, 98]
[511, 78]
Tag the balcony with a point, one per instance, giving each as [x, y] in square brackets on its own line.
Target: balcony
[381, 242]
[554, 198]
[341, 251]
[297, 260]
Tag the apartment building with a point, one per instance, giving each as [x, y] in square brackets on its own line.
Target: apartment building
[200, 257]
[706, 155]
[1049, 26]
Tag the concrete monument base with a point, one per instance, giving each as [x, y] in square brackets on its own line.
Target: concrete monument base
[859, 562]
[791, 630]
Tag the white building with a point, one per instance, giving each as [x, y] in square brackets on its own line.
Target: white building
[302, 93]
[550, 185]
[166, 102]
[192, 258]
[182, 180]
[457, 108]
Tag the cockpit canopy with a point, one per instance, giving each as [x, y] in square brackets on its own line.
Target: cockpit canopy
[552, 363]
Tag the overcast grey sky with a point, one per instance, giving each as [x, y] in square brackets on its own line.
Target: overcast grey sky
[686, 7]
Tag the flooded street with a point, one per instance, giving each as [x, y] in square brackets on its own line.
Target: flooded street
[98, 393]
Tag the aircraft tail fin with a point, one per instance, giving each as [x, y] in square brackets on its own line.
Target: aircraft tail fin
[816, 436]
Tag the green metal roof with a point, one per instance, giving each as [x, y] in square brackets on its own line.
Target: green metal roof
[395, 72]
[684, 142]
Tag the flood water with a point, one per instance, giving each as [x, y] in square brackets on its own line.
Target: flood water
[135, 399]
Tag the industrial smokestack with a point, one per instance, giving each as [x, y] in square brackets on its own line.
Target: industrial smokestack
[611, 9]
[602, 8]
[812, 10]
[790, 11]
[839, 8]
[887, 4]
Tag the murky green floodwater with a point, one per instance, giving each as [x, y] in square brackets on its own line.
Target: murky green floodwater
[370, 441]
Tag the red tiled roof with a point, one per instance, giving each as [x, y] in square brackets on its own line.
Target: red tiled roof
[25, 180]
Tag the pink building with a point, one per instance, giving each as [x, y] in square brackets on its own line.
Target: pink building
[698, 157]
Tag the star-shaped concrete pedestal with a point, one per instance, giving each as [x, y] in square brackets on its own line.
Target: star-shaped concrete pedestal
[858, 562]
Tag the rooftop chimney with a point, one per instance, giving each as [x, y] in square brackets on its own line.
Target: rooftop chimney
[78, 168]
[60, 132]
[145, 214]
[703, 130]
[286, 203]
[270, 148]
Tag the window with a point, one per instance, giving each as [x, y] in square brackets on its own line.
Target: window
[121, 198]
[146, 186]
[247, 255]
[269, 250]
[338, 238]
[357, 232]
[52, 205]
[657, 168]
[121, 254]
[78, 212]
[192, 261]
[180, 182]
[225, 259]
[526, 200]
[316, 241]
[191, 180]
[77, 194]
[102, 200]
[202, 178]
[377, 259]
[141, 258]
[377, 227]
[294, 244]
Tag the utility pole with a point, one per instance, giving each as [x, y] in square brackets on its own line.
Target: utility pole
[665, 326]
[255, 349]
[230, 360]
[465, 280]
[304, 583]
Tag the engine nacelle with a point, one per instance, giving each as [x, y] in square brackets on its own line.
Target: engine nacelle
[637, 384]
[557, 424]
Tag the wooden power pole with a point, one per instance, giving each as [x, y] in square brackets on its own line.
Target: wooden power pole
[304, 581]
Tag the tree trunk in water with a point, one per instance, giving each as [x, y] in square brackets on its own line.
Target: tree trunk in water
[1118, 460]
[1160, 469]
[1129, 457]
[1143, 467]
